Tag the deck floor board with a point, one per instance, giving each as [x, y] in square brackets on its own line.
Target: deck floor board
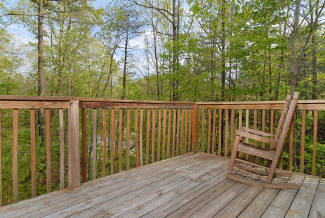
[190, 185]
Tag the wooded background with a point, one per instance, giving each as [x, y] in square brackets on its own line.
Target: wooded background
[207, 50]
[175, 50]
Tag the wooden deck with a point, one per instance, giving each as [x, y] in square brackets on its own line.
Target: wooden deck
[185, 186]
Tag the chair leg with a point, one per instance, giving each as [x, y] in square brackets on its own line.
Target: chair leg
[234, 154]
[271, 172]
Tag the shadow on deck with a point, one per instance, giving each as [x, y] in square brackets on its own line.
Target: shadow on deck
[185, 186]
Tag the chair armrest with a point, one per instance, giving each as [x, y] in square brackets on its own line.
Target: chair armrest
[255, 137]
[256, 132]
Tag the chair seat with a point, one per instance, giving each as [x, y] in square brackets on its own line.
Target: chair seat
[248, 149]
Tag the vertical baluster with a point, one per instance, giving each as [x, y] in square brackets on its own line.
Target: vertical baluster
[15, 155]
[168, 134]
[141, 137]
[226, 133]
[112, 143]
[33, 153]
[272, 122]
[209, 130]
[240, 124]
[202, 130]
[94, 145]
[185, 130]
[247, 126]
[84, 145]
[263, 125]
[291, 144]
[153, 137]
[219, 132]
[159, 134]
[178, 127]
[232, 118]
[164, 135]
[189, 129]
[302, 147]
[104, 142]
[181, 132]
[48, 150]
[148, 136]
[127, 152]
[136, 137]
[120, 140]
[314, 142]
[213, 131]
[61, 130]
[174, 132]
[1, 158]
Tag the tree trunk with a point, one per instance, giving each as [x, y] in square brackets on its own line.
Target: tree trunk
[156, 56]
[223, 48]
[40, 69]
[125, 63]
[293, 46]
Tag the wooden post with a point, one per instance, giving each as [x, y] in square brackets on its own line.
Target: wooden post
[15, 155]
[195, 117]
[302, 146]
[32, 152]
[48, 150]
[84, 145]
[74, 154]
[313, 166]
[61, 130]
[93, 148]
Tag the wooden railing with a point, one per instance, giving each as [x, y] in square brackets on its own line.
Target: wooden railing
[87, 138]
[219, 121]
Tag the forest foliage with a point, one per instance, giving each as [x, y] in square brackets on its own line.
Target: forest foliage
[172, 50]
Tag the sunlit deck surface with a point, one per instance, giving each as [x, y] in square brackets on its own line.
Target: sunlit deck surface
[191, 185]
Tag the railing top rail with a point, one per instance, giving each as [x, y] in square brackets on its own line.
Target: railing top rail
[103, 101]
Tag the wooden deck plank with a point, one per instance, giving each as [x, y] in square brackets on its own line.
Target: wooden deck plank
[152, 208]
[318, 209]
[190, 185]
[301, 204]
[240, 202]
[35, 204]
[153, 193]
[134, 190]
[282, 201]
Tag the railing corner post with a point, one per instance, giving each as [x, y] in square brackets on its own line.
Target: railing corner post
[74, 153]
[195, 118]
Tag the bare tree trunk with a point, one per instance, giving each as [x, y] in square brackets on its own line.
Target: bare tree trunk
[125, 63]
[40, 69]
[293, 46]
[156, 56]
[223, 50]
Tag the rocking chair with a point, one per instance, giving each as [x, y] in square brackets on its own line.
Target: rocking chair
[273, 155]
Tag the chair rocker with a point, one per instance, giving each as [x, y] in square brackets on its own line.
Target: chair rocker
[252, 173]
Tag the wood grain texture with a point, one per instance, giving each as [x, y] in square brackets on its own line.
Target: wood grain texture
[219, 132]
[302, 145]
[84, 145]
[209, 132]
[112, 142]
[94, 145]
[153, 135]
[120, 140]
[62, 145]
[164, 134]
[313, 167]
[291, 145]
[159, 135]
[74, 147]
[213, 131]
[15, 155]
[32, 154]
[148, 136]
[48, 150]
[141, 138]
[136, 138]
[169, 133]
[202, 130]
[174, 132]
[127, 148]
[178, 131]
[226, 133]
[104, 133]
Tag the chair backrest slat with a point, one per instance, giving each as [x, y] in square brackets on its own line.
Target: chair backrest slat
[282, 119]
[287, 121]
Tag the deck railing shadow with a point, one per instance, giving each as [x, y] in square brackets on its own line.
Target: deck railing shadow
[81, 139]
